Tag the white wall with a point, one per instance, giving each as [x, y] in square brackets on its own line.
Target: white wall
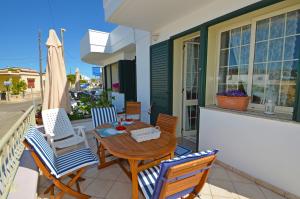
[143, 42]
[263, 148]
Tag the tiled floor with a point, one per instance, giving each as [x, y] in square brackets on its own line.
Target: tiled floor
[112, 183]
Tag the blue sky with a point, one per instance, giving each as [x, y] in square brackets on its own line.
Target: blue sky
[20, 21]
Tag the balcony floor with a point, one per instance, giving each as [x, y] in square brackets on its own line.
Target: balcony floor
[112, 183]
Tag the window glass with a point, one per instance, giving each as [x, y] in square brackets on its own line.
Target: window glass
[276, 54]
[234, 58]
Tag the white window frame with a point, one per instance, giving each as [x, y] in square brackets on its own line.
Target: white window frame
[252, 22]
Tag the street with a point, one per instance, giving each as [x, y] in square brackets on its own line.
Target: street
[11, 112]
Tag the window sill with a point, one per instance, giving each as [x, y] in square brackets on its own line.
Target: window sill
[255, 113]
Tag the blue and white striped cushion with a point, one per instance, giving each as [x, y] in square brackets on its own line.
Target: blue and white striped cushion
[74, 160]
[103, 115]
[147, 179]
[42, 148]
[63, 164]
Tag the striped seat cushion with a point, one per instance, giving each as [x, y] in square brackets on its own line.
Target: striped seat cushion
[147, 179]
[35, 138]
[59, 165]
[103, 115]
[74, 160]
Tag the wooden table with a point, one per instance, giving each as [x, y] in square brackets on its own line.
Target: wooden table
[125, 147]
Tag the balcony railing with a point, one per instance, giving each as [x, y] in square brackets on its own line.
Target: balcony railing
[11, 149]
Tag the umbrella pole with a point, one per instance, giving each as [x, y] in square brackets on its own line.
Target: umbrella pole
[41, 67]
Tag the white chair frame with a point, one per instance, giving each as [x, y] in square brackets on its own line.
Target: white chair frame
[59, 131]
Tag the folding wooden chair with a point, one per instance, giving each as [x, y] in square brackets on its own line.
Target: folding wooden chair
[180, 177]
[55, 168]
[167, 123]
[133, 108]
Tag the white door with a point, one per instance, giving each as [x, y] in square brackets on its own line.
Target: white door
[190, 90]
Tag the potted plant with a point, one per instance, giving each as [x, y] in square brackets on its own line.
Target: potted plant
[38, 115]
[233, 99]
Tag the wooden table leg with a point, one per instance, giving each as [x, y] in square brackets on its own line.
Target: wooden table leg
[134, 180]
[101, 155]
[172, 155]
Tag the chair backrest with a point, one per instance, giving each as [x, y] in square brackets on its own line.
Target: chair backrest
[167, 122]
[183, 175]
[41, 149]
[57, 123]
[103, 115]
[133, 108]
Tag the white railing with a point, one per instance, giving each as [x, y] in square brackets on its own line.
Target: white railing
[11, 149]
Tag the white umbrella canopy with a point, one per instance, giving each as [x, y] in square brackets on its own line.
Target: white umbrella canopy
[56, 94]
[77, 80]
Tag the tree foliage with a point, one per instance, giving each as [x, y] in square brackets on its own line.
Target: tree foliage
[71, 78]
[18, 86]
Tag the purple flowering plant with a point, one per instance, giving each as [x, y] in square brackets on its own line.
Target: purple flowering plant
[233, 93]
[116, 85]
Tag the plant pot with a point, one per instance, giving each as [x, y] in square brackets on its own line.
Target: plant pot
[234, 103]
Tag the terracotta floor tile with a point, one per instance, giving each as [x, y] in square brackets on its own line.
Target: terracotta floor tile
[206, 190]
[238, 178]
[91, 172]
[99, 188]
[123, 178]
[204, 196]
[247, 191]
[110, 173]
[121, 190]
[270, 194]
[219, 174]
[222, 188]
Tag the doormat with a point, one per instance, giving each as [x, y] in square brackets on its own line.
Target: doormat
[180, 150]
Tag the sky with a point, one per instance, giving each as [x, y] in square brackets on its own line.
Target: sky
[20, 21]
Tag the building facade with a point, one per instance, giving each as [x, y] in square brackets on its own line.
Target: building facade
[14, 74]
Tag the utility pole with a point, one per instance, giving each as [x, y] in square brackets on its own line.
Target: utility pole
[62, 31]
[41, 67]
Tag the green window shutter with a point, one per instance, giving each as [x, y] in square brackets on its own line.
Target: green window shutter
[127, 79]
[161, 77]
[202, 64]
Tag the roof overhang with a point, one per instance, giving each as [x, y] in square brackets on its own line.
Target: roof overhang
[152, 14]
[101, 48]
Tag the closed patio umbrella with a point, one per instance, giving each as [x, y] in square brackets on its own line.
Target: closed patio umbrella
[56, 93]
[77, 80]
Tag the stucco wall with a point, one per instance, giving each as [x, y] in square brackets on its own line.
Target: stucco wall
[143, 72]
[266, 149]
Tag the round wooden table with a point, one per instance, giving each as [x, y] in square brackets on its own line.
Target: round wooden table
[125, 147]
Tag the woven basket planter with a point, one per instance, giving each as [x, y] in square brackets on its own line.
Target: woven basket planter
[234, 103]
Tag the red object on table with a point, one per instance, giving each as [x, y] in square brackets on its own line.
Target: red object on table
[129, 120]
[120, 128]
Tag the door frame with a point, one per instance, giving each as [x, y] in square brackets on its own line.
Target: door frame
[183, 87]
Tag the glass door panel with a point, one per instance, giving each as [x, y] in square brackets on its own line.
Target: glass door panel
[190, 91]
